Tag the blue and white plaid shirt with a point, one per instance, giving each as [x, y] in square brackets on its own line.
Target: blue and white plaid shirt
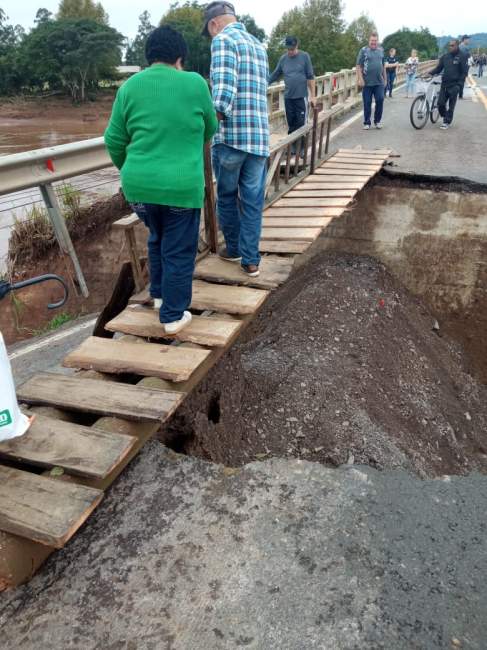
[239, 74]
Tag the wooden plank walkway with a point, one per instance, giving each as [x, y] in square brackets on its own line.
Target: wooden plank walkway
[47, 511]
[93, 396]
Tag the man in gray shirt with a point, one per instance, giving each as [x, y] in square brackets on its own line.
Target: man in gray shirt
[299, 79]
[372, 78]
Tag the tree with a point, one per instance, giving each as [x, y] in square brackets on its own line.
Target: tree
[319, 27]
[360, 29]
[10, 39]
[135, 54]
[42, 16]
[72, 55]
[252, 27]
[188, 19]
[76, 9]
[406, 40]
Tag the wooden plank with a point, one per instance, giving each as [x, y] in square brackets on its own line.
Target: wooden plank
[322, 183]
[141, 298]
[359, 156]
[373, 152]
[358, 162]
[144, 321]
[344, 174]
[357, 169]
[303, 212]
[273, 271]
[43, 509]
[331, 181]
[303, 202]
[170, 362]
[83, 451]
[320, 193]
[206, 297]
[284, 247]
[301, 222]
[126, 223]
[226, 299]
[101, 398]
[302, 234]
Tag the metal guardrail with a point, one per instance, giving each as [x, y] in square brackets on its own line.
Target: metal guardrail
[42, 167]
[332, 89]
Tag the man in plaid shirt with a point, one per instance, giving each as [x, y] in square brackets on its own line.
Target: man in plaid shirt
[239, 74]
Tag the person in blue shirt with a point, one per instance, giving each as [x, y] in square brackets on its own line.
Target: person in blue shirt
[299, 79]
[371, 77]
[239, 74]
[392, 64]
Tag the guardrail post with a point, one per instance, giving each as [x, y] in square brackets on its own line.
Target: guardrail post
[328, 129]
[211, 223]
[63, 237]
[316, 112]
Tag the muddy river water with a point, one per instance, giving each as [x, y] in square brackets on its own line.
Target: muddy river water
[18, 134]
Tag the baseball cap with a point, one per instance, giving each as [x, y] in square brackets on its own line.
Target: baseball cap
[291, 42]
[215, 9]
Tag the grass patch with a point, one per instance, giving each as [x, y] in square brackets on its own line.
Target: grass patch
[54, 324]
[32, 238]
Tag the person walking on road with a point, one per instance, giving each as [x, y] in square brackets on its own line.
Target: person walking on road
[392, 64]
[160, 120]
[239, 76]
[453, 66]
[299, 80]
[411, 73]
[482, 62]
[371, 77]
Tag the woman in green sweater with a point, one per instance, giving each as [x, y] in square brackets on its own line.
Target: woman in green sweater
[160, 121]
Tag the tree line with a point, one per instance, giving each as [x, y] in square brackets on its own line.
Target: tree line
[76, 49]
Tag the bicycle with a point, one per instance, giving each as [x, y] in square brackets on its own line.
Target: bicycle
[425, 105]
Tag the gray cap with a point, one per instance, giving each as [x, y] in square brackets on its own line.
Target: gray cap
[215, 9]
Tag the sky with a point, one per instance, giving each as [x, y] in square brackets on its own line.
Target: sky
[442, 18]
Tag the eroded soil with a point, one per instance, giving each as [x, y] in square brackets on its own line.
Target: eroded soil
[342, 366]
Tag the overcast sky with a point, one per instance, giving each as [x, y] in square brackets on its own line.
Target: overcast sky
[442, 17]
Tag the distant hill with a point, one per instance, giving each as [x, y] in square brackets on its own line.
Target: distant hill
[477, 40]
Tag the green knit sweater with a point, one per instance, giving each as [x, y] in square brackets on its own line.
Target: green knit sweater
[160, 120]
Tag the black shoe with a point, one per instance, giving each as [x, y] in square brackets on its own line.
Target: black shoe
[252, 270]
[224, 255]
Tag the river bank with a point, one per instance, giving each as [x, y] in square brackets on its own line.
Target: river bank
[28, 123]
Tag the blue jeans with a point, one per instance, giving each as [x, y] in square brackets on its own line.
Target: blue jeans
[240, 178]
[173, 245]
[391, 78]
[410, 83]
[378, 93]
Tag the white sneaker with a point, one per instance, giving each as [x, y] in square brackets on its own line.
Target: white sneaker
[178, 325]
[378, 125]
[157, 304]
[444, 126]
[366, 127]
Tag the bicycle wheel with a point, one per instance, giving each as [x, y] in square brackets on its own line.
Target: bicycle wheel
[420, 112]
[434, 113]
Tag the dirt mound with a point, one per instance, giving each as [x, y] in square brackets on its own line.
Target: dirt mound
[342, 366]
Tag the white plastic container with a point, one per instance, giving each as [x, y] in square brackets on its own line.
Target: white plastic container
[13, 423]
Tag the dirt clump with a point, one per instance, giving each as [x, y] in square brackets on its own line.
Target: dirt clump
[342, 366]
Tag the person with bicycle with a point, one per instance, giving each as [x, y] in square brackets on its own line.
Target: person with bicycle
[454, 68]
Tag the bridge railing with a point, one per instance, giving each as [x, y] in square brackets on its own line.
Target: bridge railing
[43, 167]
[332, 89]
